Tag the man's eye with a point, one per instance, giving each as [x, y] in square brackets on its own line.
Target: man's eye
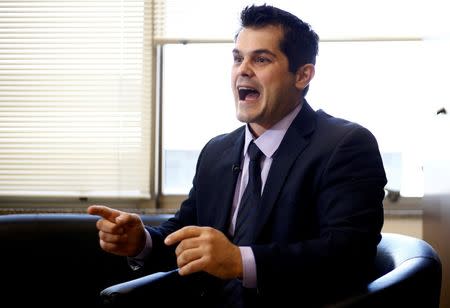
[262, 60]
[237, 59]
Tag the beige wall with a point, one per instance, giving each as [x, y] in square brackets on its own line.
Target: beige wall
[408, 225]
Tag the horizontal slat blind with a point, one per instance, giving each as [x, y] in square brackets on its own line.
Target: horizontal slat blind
[75, 94]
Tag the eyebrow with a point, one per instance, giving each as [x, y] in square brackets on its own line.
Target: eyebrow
[257, 52]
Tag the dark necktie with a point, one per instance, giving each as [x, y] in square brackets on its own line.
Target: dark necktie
[245, 220]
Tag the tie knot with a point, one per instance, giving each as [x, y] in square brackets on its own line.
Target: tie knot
[254, 152]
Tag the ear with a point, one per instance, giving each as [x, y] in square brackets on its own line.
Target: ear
[304, 75]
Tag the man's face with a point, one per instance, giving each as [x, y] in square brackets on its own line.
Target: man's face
[264, 89]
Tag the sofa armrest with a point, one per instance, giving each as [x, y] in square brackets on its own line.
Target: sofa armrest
[151, 288]
[166, 288]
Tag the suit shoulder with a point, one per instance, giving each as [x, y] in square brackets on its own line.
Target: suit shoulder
[225, 140]
[325, 119]
[336, 127]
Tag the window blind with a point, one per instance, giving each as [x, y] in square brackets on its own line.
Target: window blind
[75, 98]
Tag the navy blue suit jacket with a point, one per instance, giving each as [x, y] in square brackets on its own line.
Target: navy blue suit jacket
[321, 209]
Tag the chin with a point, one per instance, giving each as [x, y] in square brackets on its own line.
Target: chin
[246, 113]
[245, 117]
[241, 118]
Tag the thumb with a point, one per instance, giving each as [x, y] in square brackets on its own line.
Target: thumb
[128, 219]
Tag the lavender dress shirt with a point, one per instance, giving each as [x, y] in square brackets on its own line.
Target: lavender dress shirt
[268, 143]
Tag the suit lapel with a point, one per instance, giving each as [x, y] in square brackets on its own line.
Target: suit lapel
[293, 144]
[230, 157]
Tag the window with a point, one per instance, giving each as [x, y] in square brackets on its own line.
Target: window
[89, 109]
[75, 99]
[197, 105]
[380, 63]
[376, 84]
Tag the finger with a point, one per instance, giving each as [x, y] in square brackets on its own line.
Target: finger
[183, 233]
[109, 227]
[186, 244]
[129, 219]
[113, 238]
[188, 256]
[192, 267]
[104, 211]
[113, 248]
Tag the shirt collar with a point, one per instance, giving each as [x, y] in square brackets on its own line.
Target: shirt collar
[270, 140]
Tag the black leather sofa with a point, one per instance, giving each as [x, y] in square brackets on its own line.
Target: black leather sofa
[54, 260]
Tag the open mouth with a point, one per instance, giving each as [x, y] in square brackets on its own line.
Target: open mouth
[246, 93]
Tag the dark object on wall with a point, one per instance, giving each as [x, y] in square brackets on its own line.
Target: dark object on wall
[441, 111]
[393, 195]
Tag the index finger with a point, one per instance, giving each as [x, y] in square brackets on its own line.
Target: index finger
[104, 211]
[183, 233]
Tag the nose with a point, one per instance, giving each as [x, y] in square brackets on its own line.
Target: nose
[245, 69]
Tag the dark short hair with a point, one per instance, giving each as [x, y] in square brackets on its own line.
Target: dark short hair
[300, 43]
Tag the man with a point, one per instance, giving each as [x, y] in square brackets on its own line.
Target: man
[310, 233]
